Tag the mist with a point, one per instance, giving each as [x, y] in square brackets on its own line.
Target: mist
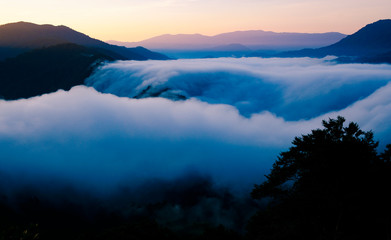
[98, 140]
[102, 140]
[251, 85]
[95, 144]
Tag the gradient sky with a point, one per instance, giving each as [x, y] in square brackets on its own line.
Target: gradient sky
[134, 20]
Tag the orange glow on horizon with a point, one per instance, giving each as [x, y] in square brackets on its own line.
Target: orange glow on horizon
[135, 20]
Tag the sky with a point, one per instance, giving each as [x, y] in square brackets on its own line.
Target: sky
[135, 20]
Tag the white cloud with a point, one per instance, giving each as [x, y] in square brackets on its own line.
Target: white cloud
[100, 140]
[251, 85]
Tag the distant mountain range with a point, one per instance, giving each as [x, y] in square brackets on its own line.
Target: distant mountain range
[38, 59]
[16, 38]
[371, 44]
[252, 40]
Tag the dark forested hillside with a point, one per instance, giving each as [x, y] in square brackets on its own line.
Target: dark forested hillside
[19, 37]
[47, 70]
[369, 42]
[37, 59]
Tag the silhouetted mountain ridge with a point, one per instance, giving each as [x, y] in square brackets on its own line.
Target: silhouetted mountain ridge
[253, 39]
[47, 70]
[19, 37]
[372, 40]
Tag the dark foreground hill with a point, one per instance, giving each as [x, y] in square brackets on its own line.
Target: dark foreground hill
[16, 38]
[369, 43]
[47, 70]
[330, 184]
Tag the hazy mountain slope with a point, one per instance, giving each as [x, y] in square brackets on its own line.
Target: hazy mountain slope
[169, 41]
[47, 70]
[259, 39]
[253, 39]
[147, 53]
[381, 58]
[22, 36]
[378, 58]
[371, 40]
[232, 47]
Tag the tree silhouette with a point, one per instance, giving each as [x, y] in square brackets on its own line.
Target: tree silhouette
[327, 186]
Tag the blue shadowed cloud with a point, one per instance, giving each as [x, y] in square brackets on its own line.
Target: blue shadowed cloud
[230, 128]
[252, 85]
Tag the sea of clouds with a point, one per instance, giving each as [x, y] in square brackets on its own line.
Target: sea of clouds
[237, 116]
[292, 88]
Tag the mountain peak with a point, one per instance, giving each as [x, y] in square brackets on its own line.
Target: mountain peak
[253, 39]
[19, 23]
[378, 27]
[19, 37]
[371, 40]
[23, 24]
[380, 22]
[373, 37]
